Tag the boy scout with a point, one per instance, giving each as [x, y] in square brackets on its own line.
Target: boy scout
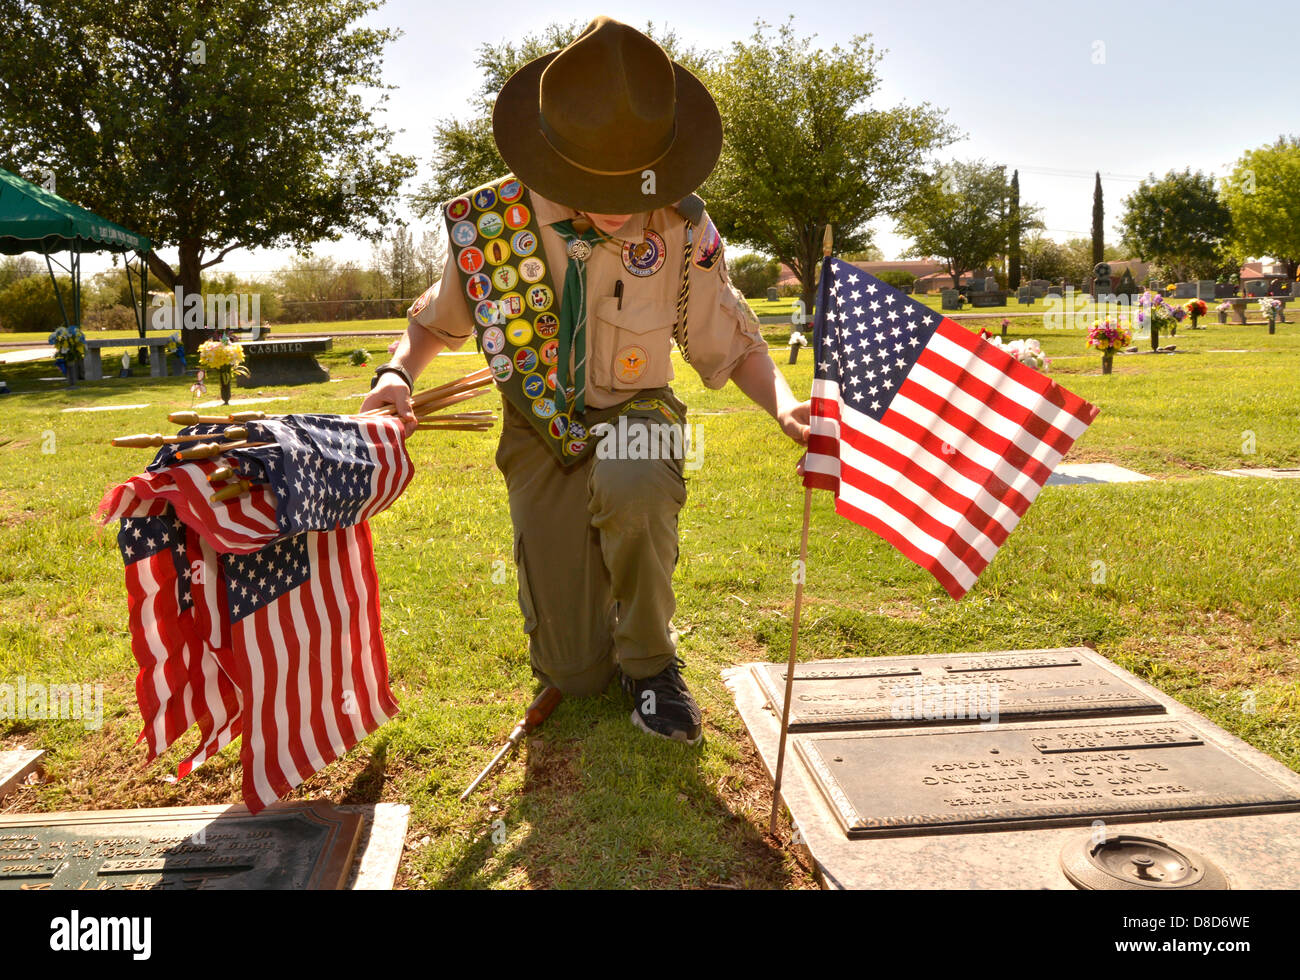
[575, 274]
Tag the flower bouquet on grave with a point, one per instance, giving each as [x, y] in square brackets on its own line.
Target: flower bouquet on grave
[1158, 314]
[1027, 352]
[796, 341]
[70, 348]
[1108, 336]
[1269, 307]
[226, 358]
[1196, 309]
[1223, 309]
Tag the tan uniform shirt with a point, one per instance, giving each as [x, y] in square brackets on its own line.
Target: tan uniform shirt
[629, 343]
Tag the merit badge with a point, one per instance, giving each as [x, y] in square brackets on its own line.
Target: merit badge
[577, 430]
[470, 260]
[534, 386]
[644, 258]
[552, 379]
[422, 301]
[531, 270]
[512, 305]
[485, 198]
[497, 251]
[458, 208]
[630, 363]
[519, 332]
[575, 447]
[550, 352]
[540, 298]
[543, 408]
[560, 426]
[463, 233]
[494, 340]
[523, 242]
[489, 225]
[478, 286]
[525, 360]
[502, 367]
[709, 249]
[517, 216]
[486, 313]
[505, 278]
[510, 190]
[547, 325]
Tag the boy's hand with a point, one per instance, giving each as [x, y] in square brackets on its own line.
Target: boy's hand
[794, 420]
[392, 390]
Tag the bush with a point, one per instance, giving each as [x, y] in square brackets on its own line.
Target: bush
[30, 305]
[753, 274]
[115, 317]
[898, 278]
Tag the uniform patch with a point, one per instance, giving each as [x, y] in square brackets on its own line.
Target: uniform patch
[544, 408]
[489, 225]
[540, 298]
[497, 251]
[577, 430]
[422, 301]
[525, 360]
[463, 233]
[458, 209]
[510, 190]
[502, 367]
[709, 248]
[470, 260]
[630, 363]
[532, 270]
[485, 198]
[523, 242]
[478, 286]
[575, 447]
[534, 386]
[516, 216]
[494, 340]
[505, 278]
[644, 258]
[550, 352]
[552, 379]
[519, 332]
[560, 426]
[547, 325]
[486, 313]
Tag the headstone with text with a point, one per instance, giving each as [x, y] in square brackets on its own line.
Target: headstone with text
[285, 362]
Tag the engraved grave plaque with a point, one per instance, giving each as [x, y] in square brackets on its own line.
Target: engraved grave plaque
[291, 846]
[882, 784]
[951, 689]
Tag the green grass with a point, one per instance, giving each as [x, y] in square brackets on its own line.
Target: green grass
[1198, 596]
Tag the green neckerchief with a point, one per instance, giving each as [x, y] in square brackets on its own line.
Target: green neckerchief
[573, 316]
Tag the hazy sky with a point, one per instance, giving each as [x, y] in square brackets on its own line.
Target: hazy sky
[1057, 89]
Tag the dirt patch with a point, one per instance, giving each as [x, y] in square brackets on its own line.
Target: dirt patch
[1222, 651]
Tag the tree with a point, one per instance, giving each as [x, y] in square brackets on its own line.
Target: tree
[209, 126]
[429, 256]
[1045, 259]
[804, 149]
[1013, 240]
[871, 253]
[960, 215]
[1098, 224]
[397, 260]
[464, 152]
[753, 274]
[1179, 222]
[1263, 197]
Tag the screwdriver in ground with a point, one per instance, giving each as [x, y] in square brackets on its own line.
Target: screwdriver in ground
[537, 713]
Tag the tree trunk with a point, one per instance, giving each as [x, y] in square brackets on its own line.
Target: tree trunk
[190, 279]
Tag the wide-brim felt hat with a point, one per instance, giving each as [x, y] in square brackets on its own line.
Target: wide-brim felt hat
[609, 124]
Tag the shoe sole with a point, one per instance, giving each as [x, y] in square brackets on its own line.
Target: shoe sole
[678, 737]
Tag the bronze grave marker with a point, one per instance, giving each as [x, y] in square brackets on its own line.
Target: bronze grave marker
[890, 783]
[288, 846]
[962, 688]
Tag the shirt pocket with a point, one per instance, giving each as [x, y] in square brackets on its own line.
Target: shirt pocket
[631, 347]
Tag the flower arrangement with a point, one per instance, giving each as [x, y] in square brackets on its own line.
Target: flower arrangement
[226, 358]
[1196, 309]
[1027, 352]
[1270, 308]
[1224, 307]
[69, 343]
[1158, 314]
[1108, 336]
[360, 357]
[1005, 323]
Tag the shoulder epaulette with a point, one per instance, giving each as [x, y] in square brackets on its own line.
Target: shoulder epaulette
[691, 207]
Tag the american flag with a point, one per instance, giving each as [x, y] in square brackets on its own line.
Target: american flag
[930, 436]
[259, 616]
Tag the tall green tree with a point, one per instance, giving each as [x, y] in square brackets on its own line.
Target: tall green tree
[1098, 224]
[1013, 237]
[959, 214]
[1263, 197]
[804, 148]
[208, 126]
[464, 152]
[1179, 222]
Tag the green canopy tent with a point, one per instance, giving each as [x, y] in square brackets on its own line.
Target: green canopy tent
[33, 219]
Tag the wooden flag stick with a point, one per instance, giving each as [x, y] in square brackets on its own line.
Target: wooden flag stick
[789, 670]
[210, 450]
[476, 379]
[461, 426]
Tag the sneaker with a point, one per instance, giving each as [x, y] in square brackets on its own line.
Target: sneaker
[662, 705]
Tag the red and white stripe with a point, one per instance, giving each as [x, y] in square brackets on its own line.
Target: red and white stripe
[969, 439]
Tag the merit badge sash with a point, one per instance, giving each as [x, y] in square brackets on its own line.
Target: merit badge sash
[512, 298]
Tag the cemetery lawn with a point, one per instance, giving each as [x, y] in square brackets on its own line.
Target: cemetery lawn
[1188, 580]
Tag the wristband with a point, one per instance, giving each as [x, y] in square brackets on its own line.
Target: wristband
[393, 368]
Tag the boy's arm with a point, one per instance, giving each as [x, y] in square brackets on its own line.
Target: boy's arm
[759, 378]
[416, 349]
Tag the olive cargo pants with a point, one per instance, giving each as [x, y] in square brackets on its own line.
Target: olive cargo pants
[595, 547]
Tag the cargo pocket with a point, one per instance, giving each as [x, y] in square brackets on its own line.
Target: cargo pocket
[525, 592]
[630, 348]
